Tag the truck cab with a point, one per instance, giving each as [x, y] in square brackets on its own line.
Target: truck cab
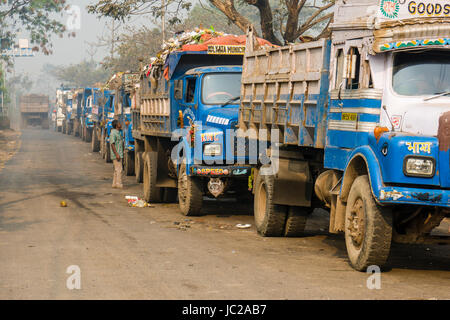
[209, 104]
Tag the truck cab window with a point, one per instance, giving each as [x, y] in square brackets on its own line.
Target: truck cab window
[353, 68]
[339, 68]
[421, 73]
[190, 90]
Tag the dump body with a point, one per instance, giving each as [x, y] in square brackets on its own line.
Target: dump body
[34, 110]
[286, 88]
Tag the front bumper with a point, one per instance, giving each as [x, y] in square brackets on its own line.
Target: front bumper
[415, 196]
[220, 171]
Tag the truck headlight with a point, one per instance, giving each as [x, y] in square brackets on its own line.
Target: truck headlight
[212, 149]
[419, 166]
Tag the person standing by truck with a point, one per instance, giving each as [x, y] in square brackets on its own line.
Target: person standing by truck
[116, 142]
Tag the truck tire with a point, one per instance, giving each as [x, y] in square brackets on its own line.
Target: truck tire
[138, 166]
[296, 221]
[95, 142]
[152, 193]
[88, 135]
[108, 153]
[270, 218]
[190, 194]
[368, 227]
[102, 144]
[128, 163]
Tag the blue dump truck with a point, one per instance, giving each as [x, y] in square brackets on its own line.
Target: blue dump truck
[89, 104]
[106, 125]
[66, 107]
[77, 104]
[123, 84]
[99, 117]
[358, 124]
[185, 107]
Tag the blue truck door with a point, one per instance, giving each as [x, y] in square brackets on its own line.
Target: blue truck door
[189, 104]
[353, 112]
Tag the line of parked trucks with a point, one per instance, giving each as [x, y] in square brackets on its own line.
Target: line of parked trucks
[357, 123]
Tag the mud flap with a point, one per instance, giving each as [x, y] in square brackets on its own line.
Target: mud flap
[292, 183]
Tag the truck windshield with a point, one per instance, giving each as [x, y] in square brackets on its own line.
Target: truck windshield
[219, 88]
[421, 73]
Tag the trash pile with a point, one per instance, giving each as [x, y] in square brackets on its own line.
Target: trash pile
[196, 40]
[136, 202]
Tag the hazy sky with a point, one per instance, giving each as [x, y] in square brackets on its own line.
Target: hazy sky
[70, 50]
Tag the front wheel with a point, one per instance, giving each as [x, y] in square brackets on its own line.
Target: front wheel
[368, 227]
[190, 195]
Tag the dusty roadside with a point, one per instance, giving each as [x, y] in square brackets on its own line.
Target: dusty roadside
[9, 144]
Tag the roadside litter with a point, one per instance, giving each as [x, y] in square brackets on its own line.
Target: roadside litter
[243, 226]
[63, 204]
[136, 202]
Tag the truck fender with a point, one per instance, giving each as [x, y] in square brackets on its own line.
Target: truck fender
[182, 156]
[362, 161]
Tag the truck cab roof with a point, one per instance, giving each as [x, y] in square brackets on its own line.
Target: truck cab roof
[214, 69]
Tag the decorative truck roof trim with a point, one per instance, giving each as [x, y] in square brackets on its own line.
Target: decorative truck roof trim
[393, 24]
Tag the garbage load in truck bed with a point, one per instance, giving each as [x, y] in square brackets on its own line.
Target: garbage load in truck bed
[34, 110]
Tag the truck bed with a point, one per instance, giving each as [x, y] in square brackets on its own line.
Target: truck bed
[286, 88]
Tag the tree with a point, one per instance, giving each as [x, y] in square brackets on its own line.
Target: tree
[83, 74]
[133, 46]
[33, 16]
[280, 21]
[288, 20]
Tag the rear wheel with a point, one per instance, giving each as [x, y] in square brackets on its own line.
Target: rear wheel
[102, 144]
[129, 163]
[296, 221]
[108, 153]
[152, 193]
[368, 227]
[270, 218]
[88, 135]
[138, 166]
[95, 142]
[190, 195]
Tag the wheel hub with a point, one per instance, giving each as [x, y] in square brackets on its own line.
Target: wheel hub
[356, 223]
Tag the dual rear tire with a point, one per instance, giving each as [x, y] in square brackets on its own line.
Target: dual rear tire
[368, 226]
[274, 220]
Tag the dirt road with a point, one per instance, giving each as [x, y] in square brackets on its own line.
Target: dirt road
[155, 253]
